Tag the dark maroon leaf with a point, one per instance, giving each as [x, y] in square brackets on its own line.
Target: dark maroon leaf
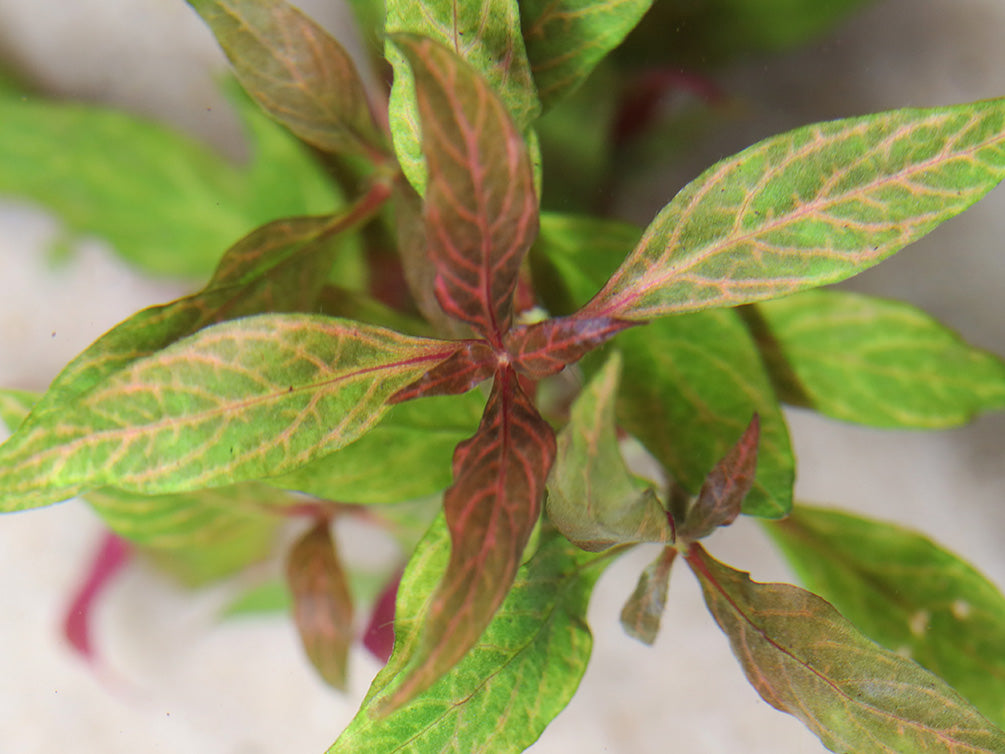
[379, 634]
[112, 554]
[491, 509]
[544, 348]
[472, 363]
[725, 487]
[480, 208]
[322, 604]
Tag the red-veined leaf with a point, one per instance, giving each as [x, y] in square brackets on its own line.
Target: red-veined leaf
[643, 611]
[297, 73]
[472, 363]
[486, 35]
[480, 207]
[237, 401]
[322, 604]
[725, 487]
[804, 658]
[567, 38]
[809, 207]
[545, 348]
[593, 499]
[491, 509]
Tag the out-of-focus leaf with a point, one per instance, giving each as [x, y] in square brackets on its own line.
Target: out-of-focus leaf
[690, 386]
[415, 440]
[567, 38]
[805, 659]
[165, 202]
[491, 509]
[519, 675]
[906, 593]
[322, 604]
[642, 613]
[486, 35]
[242, 400]
[15, 405]
[297, 72]
[875, 362]
[111, 557]
[269, 598]
[574, 255]
[592, 497]
[711, 32]
[480, 206]
[725, 487]
[809, 207]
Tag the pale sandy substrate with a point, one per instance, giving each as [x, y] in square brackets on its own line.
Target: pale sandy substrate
[181, 682]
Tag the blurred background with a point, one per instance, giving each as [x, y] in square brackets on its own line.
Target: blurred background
[175, 679]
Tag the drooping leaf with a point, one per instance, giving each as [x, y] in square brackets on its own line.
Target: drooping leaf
[726, 487]
[545, 348]
[164, 201]
[805, 659]
[415, 439]
[486, 35]
[593, 499]
[575, 255]
[690, 386]
[809, 207]
[567, 38]
[906, 593]
[322, 604]
[876, 362]
[480, 207]
[491, 509]
[297, 72]
[643, 611]
[242, 400]
[519, 675]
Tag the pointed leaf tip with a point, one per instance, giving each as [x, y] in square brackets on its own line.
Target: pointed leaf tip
[643, 611]
[726, 486]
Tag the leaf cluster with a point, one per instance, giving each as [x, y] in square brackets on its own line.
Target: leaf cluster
[406, 322]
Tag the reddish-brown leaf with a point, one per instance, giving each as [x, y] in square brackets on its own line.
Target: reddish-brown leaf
[642, 613]
[491, 509]
[725, 487]
[322, 604]
[480, 209]
[473, 362]
[544, 348]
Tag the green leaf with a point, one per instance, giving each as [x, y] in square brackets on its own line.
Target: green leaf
[876, 362]
[15, 405]
[242, 400]
[520, 674]
[164, 201]
[297, 72]
[574, 255]
[805, 659]
[592, 497]
[690, 386]
[710, 32]
[416, 438]
[643, 611]
[567, 38]
[809, 207]
[191, 520]
[906, 593]
[480, 206]
[322, 604]
[264, 599]
[486, 35]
